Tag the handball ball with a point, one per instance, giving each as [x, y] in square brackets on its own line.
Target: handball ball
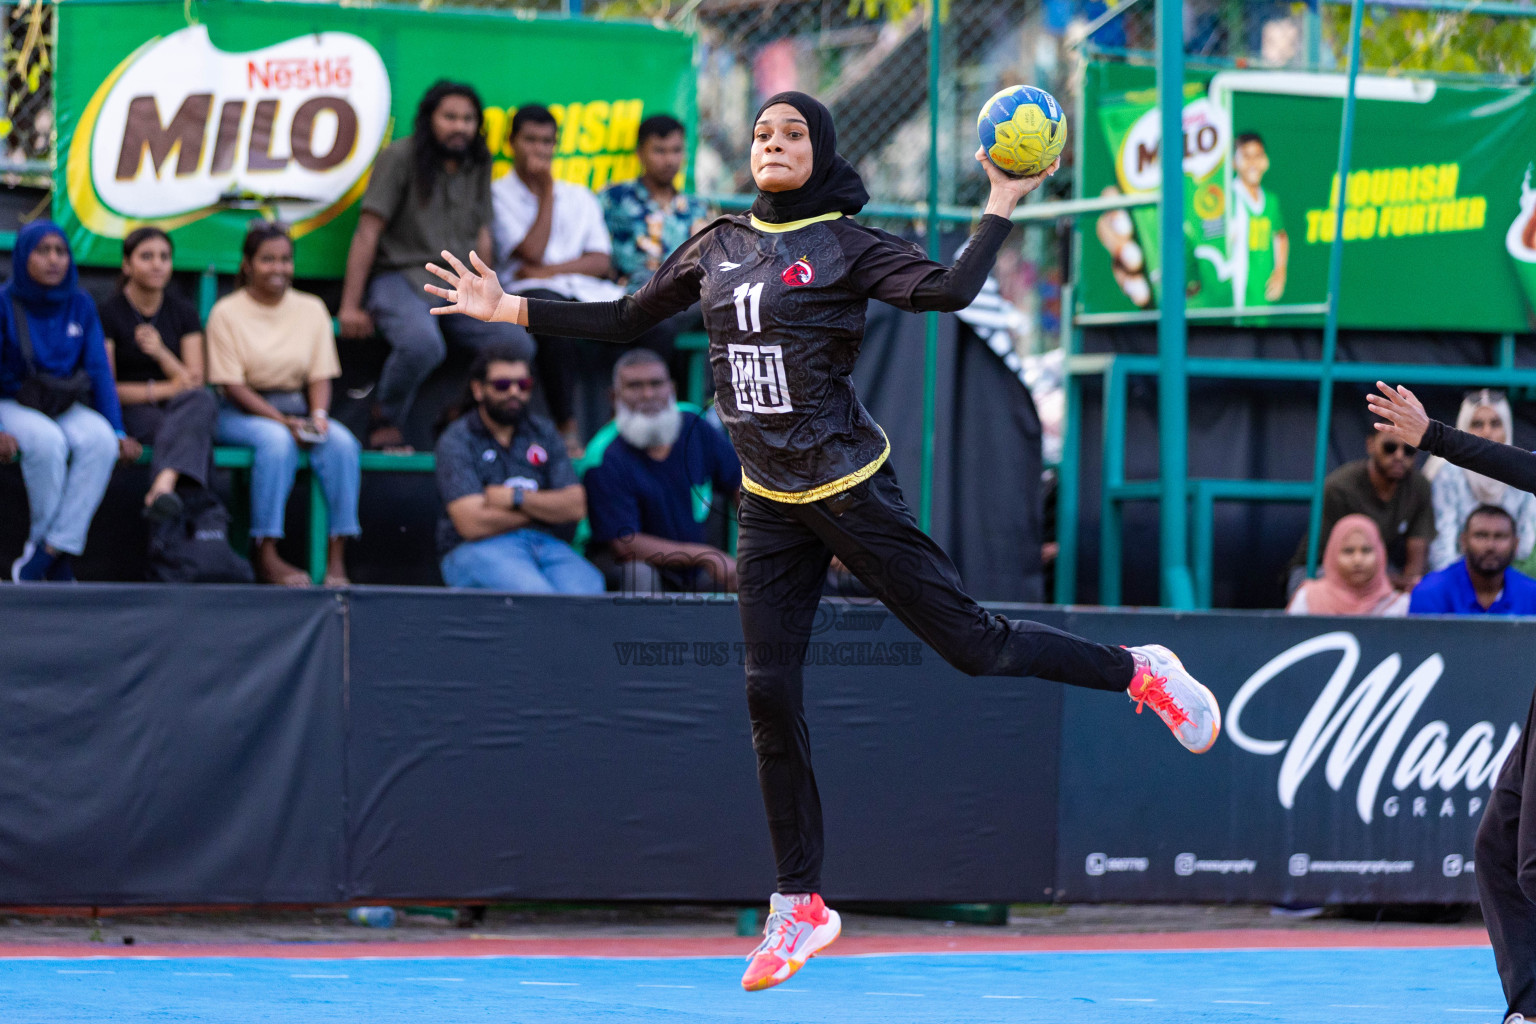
[1022, 129]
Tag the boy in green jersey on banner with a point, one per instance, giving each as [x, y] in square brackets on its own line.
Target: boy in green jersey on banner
[1260, 247]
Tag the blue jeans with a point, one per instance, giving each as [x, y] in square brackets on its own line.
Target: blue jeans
[402, 312]
[336, 461]
[65, 463]
[525, 561]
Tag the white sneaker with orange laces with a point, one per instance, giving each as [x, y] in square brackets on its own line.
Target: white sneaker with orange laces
[798, 928]
[1185, 706]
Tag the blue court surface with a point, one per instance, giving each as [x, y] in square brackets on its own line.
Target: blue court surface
[1456, 986]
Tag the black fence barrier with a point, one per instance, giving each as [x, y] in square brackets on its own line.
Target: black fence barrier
[163, 745]
[198, 745]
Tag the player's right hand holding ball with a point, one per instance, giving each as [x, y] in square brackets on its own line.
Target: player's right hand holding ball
[1007, 190]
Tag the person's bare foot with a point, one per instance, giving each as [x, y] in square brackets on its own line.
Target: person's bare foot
[385, 436]
[336, 563]
[272, 568]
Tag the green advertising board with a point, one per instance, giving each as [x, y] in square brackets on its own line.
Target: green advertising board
[197, 117]
[1439, 206]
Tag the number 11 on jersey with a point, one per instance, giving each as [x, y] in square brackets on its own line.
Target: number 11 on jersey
[754, 294]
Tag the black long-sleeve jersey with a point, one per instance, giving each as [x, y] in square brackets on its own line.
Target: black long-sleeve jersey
[784, 307]
[1504, 462]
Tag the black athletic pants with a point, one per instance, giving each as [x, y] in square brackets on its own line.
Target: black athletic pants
[181, 429]
[1506, 873]
[783, 551]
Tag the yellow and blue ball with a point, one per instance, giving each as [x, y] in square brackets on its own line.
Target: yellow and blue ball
[1022, 129]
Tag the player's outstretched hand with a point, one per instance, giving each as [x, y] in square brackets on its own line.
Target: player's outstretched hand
[475, 293]
[1404, 416]
[1006, 189]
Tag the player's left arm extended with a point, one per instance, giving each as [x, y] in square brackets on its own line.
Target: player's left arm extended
[1404, 418]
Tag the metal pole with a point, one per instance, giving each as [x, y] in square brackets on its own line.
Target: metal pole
[1331, 321]
[931, 333]
[1178, 590]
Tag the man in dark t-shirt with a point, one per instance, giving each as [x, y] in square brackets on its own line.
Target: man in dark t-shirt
[510, 494]
[1386, 487]
[645, 496]
[427, 192]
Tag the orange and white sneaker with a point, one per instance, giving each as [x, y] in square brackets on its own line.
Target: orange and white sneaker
[798, 928]
[1185, 706]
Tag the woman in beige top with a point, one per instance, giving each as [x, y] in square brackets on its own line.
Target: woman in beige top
[272, 353]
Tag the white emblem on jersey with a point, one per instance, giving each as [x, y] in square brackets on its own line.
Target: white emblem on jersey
[757, 377]
[728, 265]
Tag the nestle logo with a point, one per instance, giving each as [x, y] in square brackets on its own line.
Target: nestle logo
[299, 73]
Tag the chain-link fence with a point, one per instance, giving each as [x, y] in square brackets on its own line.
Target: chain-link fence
[27, 127]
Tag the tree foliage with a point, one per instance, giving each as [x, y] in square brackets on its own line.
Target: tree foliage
[1405, 41]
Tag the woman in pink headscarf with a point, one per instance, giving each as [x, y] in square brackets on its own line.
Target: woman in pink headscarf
[1354, 576]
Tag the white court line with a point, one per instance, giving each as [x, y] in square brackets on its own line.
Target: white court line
[202, 974]
[317, 975]
[1242, 1002]
[65, 971]
[552, 984]
[663, 986]
[1002, 997]
[909, 995]
[1358, 1006]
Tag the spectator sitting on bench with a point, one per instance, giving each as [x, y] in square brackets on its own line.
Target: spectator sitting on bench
[551, 243]
[155, 342]
[640, 497]
[1353, 580]
[67, 447]
[1481, 583]
[648, 218]
[509, 491]
[1386, 487]
[1456, 491]
[271, 350]
[428, 192]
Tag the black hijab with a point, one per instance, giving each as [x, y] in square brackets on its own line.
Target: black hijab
[833, 187]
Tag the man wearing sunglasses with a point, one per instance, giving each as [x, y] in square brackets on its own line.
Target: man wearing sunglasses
[510, 494]
[1386, 487]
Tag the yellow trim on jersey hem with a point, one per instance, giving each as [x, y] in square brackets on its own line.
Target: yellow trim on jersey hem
[837, 486]
[792, 225]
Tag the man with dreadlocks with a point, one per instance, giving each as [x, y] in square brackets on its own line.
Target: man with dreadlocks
[429, 191]
[783, 290]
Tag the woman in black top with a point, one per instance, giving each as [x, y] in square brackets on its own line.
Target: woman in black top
[1505, 848]
[156, 345]
[783, 292]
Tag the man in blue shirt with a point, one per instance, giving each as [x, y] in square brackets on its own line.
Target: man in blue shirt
[1482, 583]
[644, 494]
[508, 488]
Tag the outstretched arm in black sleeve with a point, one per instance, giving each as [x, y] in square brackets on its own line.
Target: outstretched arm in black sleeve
[1404, 418]
[475, 291]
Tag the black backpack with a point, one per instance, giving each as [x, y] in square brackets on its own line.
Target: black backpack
[194, 547]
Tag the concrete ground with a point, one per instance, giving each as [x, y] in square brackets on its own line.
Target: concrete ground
[118, 927]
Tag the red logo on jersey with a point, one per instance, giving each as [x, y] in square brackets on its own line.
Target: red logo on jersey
[537, 456]
[799, 272]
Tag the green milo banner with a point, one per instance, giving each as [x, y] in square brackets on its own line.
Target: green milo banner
[1439, 205]
[197, 117]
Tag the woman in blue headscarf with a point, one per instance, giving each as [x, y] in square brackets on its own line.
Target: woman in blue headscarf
[66, 459]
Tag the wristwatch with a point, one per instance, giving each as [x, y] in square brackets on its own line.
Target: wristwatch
[517, 499]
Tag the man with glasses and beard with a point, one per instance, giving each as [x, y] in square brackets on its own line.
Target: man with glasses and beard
[644, 495]
[510, 494]
[1386, 487]
[428, 191]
